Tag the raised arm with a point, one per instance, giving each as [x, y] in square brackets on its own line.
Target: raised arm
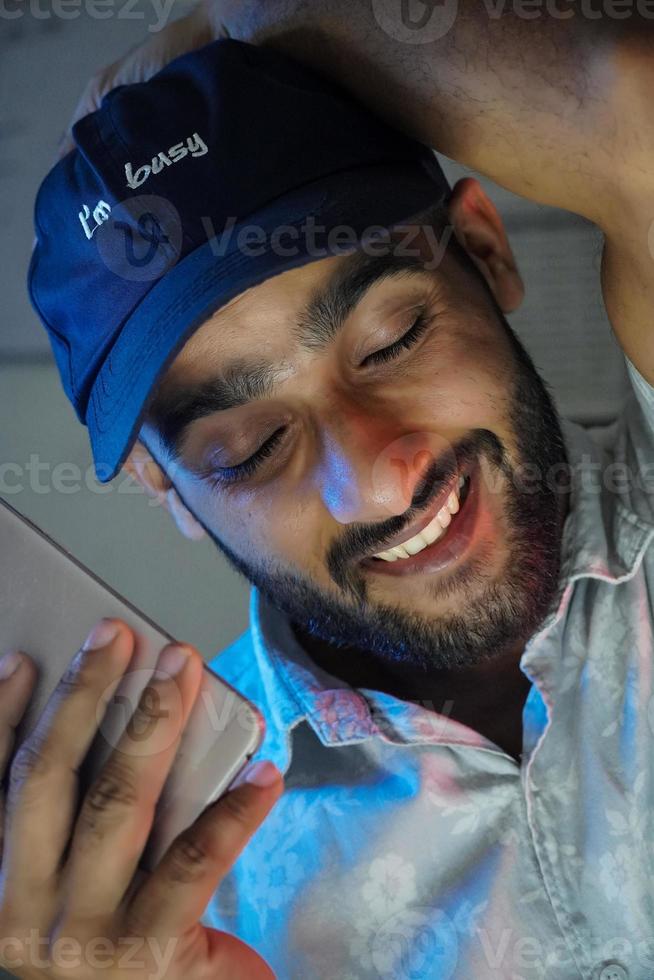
[551, 99]
[550, 108]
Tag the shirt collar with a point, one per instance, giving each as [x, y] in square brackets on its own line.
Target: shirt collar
[602, 539]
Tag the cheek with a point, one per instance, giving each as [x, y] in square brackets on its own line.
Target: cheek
[293, 527]
[463, 381]
[234, 524]
[262, 526]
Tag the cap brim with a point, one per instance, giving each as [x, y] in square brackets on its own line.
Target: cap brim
[215, 273]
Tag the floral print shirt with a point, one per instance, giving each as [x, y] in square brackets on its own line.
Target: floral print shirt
[407, 845]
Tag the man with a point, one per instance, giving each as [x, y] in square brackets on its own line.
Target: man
[451, 627]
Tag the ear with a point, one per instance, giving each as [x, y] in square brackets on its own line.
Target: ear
[480, 230]
[142, 467]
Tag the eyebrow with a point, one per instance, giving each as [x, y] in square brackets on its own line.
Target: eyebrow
[176, 405]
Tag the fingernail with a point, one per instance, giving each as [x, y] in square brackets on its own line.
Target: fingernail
[9, 663]
[261, 774]
[170, 663]
[101, 635]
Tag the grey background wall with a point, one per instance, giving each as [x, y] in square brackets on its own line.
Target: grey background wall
[188, 588]
[119, 534]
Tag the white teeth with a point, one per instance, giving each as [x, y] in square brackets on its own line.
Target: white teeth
[387, 556]
[415, 545]
[444, 517]
[453, 503]
[434, 530]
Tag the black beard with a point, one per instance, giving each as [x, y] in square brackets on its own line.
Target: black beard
[507, 613]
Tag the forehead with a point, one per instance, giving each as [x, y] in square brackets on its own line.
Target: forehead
[303, 307]
[258, 319]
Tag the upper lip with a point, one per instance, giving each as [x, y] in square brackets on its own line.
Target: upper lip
[426, 518]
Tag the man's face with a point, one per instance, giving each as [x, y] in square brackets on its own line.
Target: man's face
[326, 415]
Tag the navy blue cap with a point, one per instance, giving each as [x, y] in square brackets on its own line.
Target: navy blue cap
[232, 164]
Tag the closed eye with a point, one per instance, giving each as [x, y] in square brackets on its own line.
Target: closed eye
[406, 341]
[241, 471]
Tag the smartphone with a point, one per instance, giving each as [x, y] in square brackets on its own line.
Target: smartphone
[48, 604]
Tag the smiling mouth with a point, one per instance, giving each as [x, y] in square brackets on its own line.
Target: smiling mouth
[451, 544]
[435, 530]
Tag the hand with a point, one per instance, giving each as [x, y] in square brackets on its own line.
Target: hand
[185, 34]
[69, 907]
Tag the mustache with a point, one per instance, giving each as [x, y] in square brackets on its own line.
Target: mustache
[361, 540]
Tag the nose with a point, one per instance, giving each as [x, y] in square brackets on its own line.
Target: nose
[369, 471]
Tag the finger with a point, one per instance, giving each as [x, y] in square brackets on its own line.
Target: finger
[174, 896]
[116, 817]
[43, 775]
[17, 679]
